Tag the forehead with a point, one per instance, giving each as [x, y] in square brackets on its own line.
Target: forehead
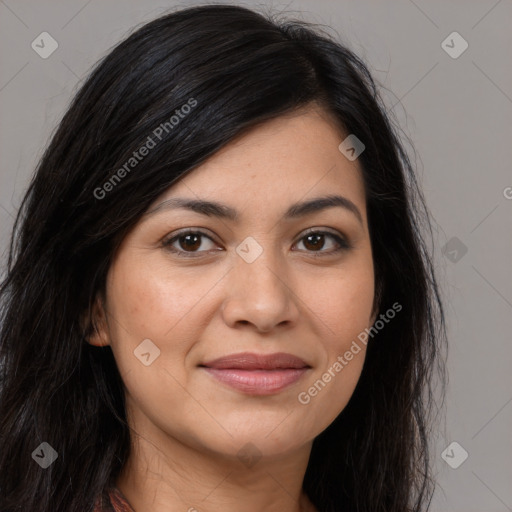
[276, 163]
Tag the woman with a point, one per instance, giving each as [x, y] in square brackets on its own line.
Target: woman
[218, 291]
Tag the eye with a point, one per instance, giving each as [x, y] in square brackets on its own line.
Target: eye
[188, 242]
[314, 241]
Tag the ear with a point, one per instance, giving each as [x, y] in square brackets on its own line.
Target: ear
[96, 330]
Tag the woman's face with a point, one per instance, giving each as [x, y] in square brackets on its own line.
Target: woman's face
[258, 284]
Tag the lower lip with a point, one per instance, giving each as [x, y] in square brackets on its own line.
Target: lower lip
[258, 382]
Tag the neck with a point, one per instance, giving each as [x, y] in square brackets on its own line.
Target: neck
[165, 475]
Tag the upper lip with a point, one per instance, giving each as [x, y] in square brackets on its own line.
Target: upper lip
[252, 361]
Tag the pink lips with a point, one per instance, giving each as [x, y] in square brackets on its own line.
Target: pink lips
[257, 374]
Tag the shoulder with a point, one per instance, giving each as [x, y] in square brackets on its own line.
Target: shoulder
[116, 502]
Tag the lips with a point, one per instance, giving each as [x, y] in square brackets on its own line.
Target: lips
[250, 361]
[257, 374]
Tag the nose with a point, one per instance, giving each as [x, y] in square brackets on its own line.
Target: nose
[260, 294]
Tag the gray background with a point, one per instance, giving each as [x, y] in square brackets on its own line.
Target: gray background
[458, 114]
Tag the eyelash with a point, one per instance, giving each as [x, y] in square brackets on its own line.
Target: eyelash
[343, 244]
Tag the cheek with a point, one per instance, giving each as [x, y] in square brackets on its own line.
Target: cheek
[344, 307]
[148, 299]
[344, 304]
[148, 303]
[152, 300]
[328, 393]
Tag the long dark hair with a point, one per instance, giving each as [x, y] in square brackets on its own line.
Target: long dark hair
[234, 68]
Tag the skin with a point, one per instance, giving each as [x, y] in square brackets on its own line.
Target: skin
[187, 427]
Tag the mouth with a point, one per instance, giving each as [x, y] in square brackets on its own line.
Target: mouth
[257, 374]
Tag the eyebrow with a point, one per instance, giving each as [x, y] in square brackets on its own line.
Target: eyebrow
[222, 211]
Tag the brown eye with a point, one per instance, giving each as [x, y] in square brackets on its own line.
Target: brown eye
[190, 242]
[187, 243]
[315, 241]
